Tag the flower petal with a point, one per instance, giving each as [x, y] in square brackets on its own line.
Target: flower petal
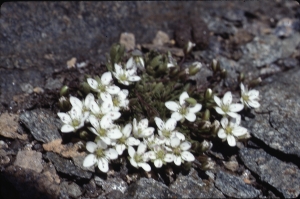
[106, 140]
[95, 107]
[111, 154]
[94, 121]
[120, 148]
[182, 98]
[159, 123]
[106, 122]
[113, 89]
[148, 131]
[65, 118]
[66, 128]
[195, 108]
[76, 102]
[114, 115]
[177, 116]
[242, 87]
[127, 129]
[232, 114]
[224, 122]
[91, 147]
[118, 69]
[134, 78]
[222, 134]
[151, 155]
[173, 106]
[253, 94]
[145, 166]
[88, 99]
[185, 146]
[101, 144]
[158, 163]
[103, 165]
[131, 151]
[187, 156]
[131, 141]
[254, 104]
[190, 117]
[143, 124]
[219, 110]
[217, 100]
[231, 140]
[239, 131]
[177, 160]
[179, 135]
[142, 148]
[93, 83]
[169, 157]
[114, 133]
[106, 78]
[170, 124]
[129, 63]
[236, 107]
[227, 98]
[133, 163]
[89, 160]
[175, 142]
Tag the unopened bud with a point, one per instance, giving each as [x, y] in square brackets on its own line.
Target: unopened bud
[215, 127]
[84, 135]
[64, 91]
[241, 77]
[208, 94]
[209, 165]
[195, 68]
[215, 65]
[254, 82]
[188, 47]
[85, 87]
[223, 73]
[191, 101]
[64, 104]
[187, 166]
[206, 115]
[205, 146]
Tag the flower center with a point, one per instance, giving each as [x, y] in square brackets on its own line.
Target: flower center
[137, 158]
[116, 102]
[100, 153]
[123, 77]
[182, 110]
[228, 130]
[160, 154]
[166, 133]
[245, 97]
[75, 122]
[177, 151]
[102, 88]
[122, 140]
[225, 107]
[101, 132]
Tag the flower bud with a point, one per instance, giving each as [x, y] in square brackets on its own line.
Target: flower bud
[241, 77]
[223, 73]
[208, 94]
[64, 104]
[64, 91]
[205, 146]
[206, 115]
[84, 135]
[85, 87]
[195, 68]
[215, 127]
[254, 82]
[209, 165]
[191, 101]
[215, 65]
[188, 47]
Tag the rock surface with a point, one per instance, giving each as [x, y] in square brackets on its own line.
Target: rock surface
[42, 124]
[29, 160]
[235, 187]
[287, 178]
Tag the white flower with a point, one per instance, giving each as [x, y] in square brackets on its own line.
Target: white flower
[126, 139]
[100, 155]
[225, 106]
[72, 120]
[171, 61]
[160, 156]
[103, 129]
[249, 98]
[139, 158]
[119, 100]
[135, 62]
[105, 109]
[180, 151]
[103, 85]
[125, 76]
[154, 140]
[166, 130]
[84, 106]
[183, 111]
[231, 130]
[141, 130]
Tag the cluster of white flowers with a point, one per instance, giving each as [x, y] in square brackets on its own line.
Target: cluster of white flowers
[101, 112]
[230, 123]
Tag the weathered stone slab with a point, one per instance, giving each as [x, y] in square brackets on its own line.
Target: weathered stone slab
[42, 124]
[285, 177]
[234, 186]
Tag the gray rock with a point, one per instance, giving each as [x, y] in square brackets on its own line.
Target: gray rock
[72, 189]
[42, 124]
[277, 121]
[67, 167]
[191, 186]
[29, 160]
[53, 84]
[111, 184]
[285, 177]
[233, 186]
[149, 188]
[264, 50]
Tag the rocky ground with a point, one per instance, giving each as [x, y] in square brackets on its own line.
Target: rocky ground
[41, 42]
